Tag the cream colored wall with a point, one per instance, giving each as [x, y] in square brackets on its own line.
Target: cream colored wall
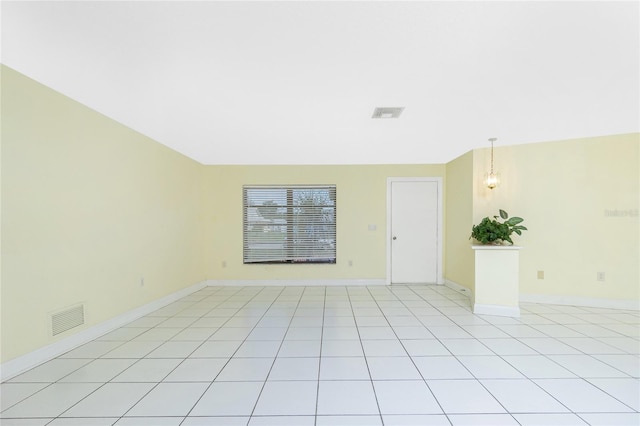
[459, 258]
[89, 208]
[361, 201]
[568, 192]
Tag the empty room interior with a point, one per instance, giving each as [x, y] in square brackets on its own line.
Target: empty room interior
[259, 213]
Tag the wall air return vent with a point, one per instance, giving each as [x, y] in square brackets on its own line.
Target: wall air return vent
[67, 319]
[387, 112]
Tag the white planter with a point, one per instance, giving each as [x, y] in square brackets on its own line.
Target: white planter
[497, 286]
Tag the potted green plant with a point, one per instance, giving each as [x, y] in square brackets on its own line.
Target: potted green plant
[492, 231]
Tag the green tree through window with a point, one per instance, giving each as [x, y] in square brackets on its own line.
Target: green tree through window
[292, 224]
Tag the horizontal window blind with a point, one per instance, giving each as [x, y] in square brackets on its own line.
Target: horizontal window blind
[289, 224]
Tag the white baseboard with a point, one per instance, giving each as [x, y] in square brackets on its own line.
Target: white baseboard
[630, 305]
[458, 287]
[25, 362]
[297, 283]
[502, 311]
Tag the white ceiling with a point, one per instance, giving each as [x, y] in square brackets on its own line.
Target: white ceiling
[297, 82]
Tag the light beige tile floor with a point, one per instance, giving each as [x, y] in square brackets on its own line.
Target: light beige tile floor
[401, 355]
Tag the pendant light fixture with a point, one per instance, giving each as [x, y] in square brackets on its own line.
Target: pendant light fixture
[491, 179]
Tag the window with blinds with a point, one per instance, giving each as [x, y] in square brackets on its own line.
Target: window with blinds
[289, 224]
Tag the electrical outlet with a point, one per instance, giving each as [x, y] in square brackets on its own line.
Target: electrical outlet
[541, 275]
[351, 263]
[600, 276]
[142, 282]
[224, 263]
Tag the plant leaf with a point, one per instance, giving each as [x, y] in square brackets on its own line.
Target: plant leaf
[503, 214]
[515, 220]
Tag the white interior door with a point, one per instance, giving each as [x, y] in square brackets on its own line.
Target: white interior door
[414, 232]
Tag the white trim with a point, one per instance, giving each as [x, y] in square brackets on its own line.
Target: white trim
[631, 305]
[502, 311]
[440, 250]
[495, 247]
[458, 287]
[296, 283]
[32, 359]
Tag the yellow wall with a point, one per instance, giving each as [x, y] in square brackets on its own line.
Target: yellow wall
[459, 258]
[361, 201]
[568, 192]
[89, 208]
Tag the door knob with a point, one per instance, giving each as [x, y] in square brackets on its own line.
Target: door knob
[394, 238]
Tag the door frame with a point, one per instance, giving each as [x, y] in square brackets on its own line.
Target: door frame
[439, 242]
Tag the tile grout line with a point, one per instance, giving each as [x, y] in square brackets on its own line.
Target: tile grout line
[375, 394]
[238, 348]
[278, 351]
[377, 298]
[111, 380]
[324, 305]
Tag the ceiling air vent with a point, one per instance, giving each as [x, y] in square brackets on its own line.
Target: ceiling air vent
[387, 112]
